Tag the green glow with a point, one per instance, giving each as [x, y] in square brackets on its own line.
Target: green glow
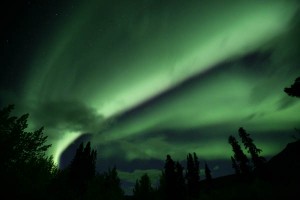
[217, 148]
[113, 64]
[62, 144]
[205, 106]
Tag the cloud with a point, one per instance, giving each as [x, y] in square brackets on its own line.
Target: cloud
[65, 121]
[68, 115]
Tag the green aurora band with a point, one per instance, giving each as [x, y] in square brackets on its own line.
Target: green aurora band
[113, 56]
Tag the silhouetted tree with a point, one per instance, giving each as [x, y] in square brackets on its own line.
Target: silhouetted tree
[170, 178]
[172, 181]
[180, 181]
[192, 175]
[208, 178]
[82, 168]
[143, 189]
[294, 90]
[17, 145]
[257, 160]
[105, 186]
[207, 173]
[112, 185]
[161, 189]
[235, 166]
[239, 156]
[25, 168]
[96, 188]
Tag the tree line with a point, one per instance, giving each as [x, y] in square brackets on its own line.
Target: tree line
[26, 172]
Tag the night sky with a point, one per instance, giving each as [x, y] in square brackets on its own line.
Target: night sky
[142, 79]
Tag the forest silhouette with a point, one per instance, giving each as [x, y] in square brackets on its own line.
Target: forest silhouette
[27, 172]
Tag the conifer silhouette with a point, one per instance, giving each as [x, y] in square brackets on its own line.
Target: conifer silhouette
[82, 168]
[112, 184]
[257, 160]
[207, 173]
[170, 178]
[143, 189]
[192, 175]
[172, 184]
[294, 90]
[180, 181]
[235, 166]
[239, 156]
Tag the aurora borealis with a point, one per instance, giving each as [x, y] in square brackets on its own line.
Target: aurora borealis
[146, 78]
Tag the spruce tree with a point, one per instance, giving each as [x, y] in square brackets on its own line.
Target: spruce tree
[82, 168]
[294, 90]
[208, 178]
[170, 178]
[197, 168]
[180, 182]
[207, 173]
[189, 173]
[143, 188]
[239, 156]
[257, 160]
[235, 166]
[192, 175]
[172, 183]
[112, 184]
